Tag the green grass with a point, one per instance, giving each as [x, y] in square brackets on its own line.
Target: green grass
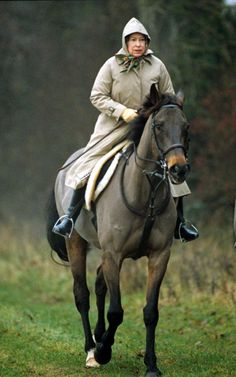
[41, 331]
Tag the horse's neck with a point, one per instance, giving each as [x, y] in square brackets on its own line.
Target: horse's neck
[145, 150]
[137, 183]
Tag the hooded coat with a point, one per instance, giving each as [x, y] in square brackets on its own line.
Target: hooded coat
[114, 91]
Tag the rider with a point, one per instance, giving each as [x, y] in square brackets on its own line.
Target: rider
[119, 90]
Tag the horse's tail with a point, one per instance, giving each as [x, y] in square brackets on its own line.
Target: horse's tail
[56, 242]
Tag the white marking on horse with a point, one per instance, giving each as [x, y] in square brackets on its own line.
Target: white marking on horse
[90, 360]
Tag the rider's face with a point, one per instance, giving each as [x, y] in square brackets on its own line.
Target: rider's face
[136, 44]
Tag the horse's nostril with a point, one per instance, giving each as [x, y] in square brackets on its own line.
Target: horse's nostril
[180, 169]
[175, 169]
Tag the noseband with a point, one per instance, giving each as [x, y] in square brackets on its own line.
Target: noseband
[162, 152]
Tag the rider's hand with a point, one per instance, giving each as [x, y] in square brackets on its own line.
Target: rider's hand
[128, 115]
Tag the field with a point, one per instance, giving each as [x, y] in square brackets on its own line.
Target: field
[41, 331]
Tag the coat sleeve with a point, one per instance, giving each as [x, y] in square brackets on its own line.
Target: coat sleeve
[165, 83]
[101, 93]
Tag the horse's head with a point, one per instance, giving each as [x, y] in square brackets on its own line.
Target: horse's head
[170, 133]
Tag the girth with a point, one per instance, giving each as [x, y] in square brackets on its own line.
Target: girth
[150, 220]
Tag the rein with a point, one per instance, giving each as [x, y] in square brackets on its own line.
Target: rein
[87, 150]
[149, 211]
[156, 179]
[152, 174]
[154, 183]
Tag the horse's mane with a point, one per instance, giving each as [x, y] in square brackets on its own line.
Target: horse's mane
[148, 107]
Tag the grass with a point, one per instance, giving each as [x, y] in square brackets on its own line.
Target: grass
[41, 331]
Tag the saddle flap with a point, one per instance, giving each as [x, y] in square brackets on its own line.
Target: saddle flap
[94, 189]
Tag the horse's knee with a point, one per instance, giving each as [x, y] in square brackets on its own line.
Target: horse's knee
[81, 295]
[115, 318]
[150, 316]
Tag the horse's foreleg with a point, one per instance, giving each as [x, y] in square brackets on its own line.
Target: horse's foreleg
[111, 271]
[100, 290]
[76, 247]
[156, 269]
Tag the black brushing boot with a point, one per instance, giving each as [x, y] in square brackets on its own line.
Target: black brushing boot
[185, 231]
[65, 224]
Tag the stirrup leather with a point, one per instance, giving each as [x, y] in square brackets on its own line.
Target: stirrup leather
[58, 222]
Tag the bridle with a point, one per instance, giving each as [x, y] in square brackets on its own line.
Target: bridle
[154, 126]
[161, 163]
[156, 178]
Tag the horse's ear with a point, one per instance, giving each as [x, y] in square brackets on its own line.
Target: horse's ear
[180, 98]
[154, 95]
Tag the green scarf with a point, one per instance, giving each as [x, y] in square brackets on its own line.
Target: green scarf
[129, 62]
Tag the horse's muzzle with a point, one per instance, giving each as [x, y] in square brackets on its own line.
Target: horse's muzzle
[178, 173]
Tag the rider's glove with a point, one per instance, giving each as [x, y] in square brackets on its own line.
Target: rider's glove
[128, 115]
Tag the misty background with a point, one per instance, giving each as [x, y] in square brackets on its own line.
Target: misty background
[50, 54]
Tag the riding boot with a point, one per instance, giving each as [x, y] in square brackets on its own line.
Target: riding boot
[185, 231]
[65, 224]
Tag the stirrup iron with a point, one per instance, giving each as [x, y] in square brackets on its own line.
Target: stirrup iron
[58, 222]
[185, 222]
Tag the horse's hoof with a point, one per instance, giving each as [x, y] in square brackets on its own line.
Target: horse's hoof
[102, 354]
[90, 360]
[157, 373]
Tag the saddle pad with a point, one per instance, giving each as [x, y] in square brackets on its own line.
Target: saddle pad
[93, 191]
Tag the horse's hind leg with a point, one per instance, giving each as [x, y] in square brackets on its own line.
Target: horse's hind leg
[101, 290]
[111, 271]
[76, 247]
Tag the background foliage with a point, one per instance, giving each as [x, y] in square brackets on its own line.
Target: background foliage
[50, 54]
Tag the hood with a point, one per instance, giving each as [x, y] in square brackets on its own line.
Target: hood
[133, 26]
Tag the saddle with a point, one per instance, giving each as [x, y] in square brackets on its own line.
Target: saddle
[102, 173]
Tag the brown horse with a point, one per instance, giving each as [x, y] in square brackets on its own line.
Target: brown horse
[135, 216]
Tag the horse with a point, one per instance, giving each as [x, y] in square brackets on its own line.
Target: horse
[134, 217]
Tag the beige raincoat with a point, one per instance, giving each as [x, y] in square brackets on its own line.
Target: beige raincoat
[114, 91]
